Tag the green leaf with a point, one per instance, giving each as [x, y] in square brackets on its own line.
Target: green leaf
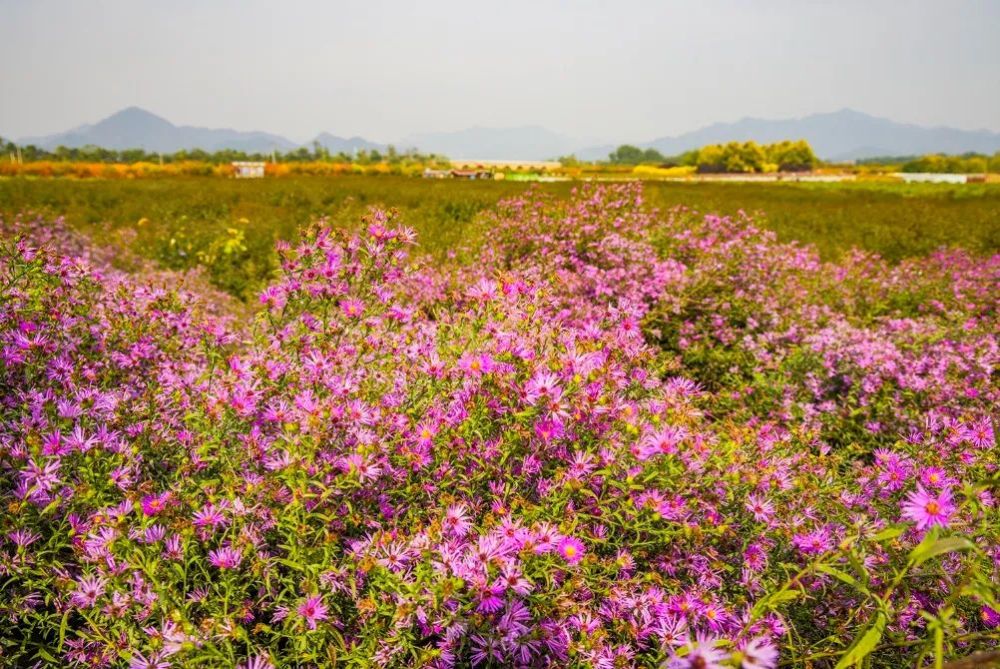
[889, 533]
[291, 564]
[864, 643]
[46, 655]
[928, 549]
[842, 576]
[51, 506]
[62, 630]
[772, 600]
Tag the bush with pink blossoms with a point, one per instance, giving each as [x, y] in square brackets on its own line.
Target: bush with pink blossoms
[615, 438]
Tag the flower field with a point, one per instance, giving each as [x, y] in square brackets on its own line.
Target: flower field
[616, 437]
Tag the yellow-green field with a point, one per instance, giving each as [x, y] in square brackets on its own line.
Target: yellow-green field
[230, 226]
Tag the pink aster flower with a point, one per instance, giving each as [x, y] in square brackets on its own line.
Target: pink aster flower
[935, 477]
[139, 661]
[88, 590]
[313, 610]
[980, 434]
[256, 662]
[759, 653]
[352, 308]
[456, 520]
[571, 549]
[928, 510]
[225, 558]
[702, 653]
[23, 538]
[490, 599]
[814, 543]
[761, 509]
[475, 365]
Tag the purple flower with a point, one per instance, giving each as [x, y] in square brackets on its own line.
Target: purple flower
[990, 617]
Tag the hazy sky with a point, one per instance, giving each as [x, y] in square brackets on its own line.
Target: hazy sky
[622, 70]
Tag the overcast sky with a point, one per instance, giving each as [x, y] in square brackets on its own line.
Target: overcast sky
[622, 70]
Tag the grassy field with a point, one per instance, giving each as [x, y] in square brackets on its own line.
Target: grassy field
[230, 226]
[895, 220]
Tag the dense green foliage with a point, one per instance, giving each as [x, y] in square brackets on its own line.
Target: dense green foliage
[230, 226]
[732, 157]
[740, 157]
[626, 154]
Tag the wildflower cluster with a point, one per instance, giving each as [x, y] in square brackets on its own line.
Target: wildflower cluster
[618, 438]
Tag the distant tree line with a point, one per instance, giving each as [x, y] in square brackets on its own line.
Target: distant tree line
[732, 157]
[626, 154]
[317, 153]
[967, 163]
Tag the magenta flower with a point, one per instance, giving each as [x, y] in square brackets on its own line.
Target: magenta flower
[928, 510]
[313, 610]
[153, 504]
[813, 543]
[571, 549]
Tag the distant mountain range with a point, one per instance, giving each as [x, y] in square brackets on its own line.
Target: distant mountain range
[335, 144]
[530, 142]
[840, 135]
[135, 128]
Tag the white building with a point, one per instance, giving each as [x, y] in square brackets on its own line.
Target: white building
[248, 170]
[933, 178]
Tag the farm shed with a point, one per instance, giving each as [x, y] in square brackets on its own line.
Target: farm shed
[472, 174]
